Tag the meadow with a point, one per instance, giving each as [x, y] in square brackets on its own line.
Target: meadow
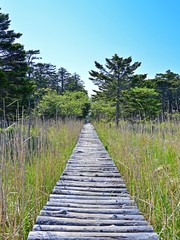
[148, 157]
[31, 161]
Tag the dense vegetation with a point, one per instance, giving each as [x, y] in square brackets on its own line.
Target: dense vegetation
[38, 102]
[124, 94]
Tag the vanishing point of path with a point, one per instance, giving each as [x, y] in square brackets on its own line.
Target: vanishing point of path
[90, 200]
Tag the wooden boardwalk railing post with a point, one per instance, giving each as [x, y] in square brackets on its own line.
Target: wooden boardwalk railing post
[90, 200]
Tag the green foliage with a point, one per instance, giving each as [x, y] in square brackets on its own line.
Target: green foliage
[70, 104]
[136, 103]
[101, 109]
[140, 103]
[135, 96]
[168, 85]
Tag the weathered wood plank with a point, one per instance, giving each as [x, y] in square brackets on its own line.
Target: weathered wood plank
[87, 165]
[104, 229]
[57, 190]
[48, 220]
[91, 184]
[92, 189]
[95, 206]
[91, 179]
[124, 196]
[134, 218]
[46, 235]
[54, 206]
[91, 174]
[91, 169]
[109, 202]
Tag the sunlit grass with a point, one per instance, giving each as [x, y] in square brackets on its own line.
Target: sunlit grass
[30, 166]
[148, 157]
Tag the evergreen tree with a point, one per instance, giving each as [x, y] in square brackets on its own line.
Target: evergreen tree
[45, 76]
[69, 82]
[63, 76]
[14, 86]
[114, 77]
[74, 83]
[168, 85]
[30, 57]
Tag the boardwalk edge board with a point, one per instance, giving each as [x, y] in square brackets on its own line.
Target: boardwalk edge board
[90, 200]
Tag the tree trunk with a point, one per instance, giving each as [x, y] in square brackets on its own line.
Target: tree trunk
[118, 103]
[62, 85]
[117, 112]
[170, 100]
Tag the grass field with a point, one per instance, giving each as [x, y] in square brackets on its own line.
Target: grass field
[30, 164]
[148, 157]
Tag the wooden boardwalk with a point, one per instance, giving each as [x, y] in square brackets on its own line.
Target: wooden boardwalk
[90, 200]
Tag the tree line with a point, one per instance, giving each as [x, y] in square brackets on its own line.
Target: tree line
[124, 94]
[26, 82]
[48, 91]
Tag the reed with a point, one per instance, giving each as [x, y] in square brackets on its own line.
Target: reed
[148, 157]
[31, 161]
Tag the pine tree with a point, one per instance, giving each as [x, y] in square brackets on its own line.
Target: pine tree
[44, 75]
[63, 76]
[74, 83]
[112, 78]
[14, 86]
[168, 85]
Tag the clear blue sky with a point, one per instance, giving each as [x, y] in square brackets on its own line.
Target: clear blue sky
[75, 33]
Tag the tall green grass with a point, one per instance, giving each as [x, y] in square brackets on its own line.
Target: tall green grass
[30, 164]
[148, 157]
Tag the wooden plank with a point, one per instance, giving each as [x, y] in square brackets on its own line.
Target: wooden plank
[86, 164]
[48, 220]
[123, 196]
[87, 193]
[93, 189]
[46, 235]
[107, 229]
[53, 207]
[92, 169]
[57, 201]
[134, 218]
[91, 174]
[95, 206]
[112, 201]
[91, 184]
[91, 179]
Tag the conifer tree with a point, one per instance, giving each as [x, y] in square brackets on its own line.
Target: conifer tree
[112, 78]
[14, 85]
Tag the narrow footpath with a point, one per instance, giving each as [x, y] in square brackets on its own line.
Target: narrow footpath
[90, 200]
